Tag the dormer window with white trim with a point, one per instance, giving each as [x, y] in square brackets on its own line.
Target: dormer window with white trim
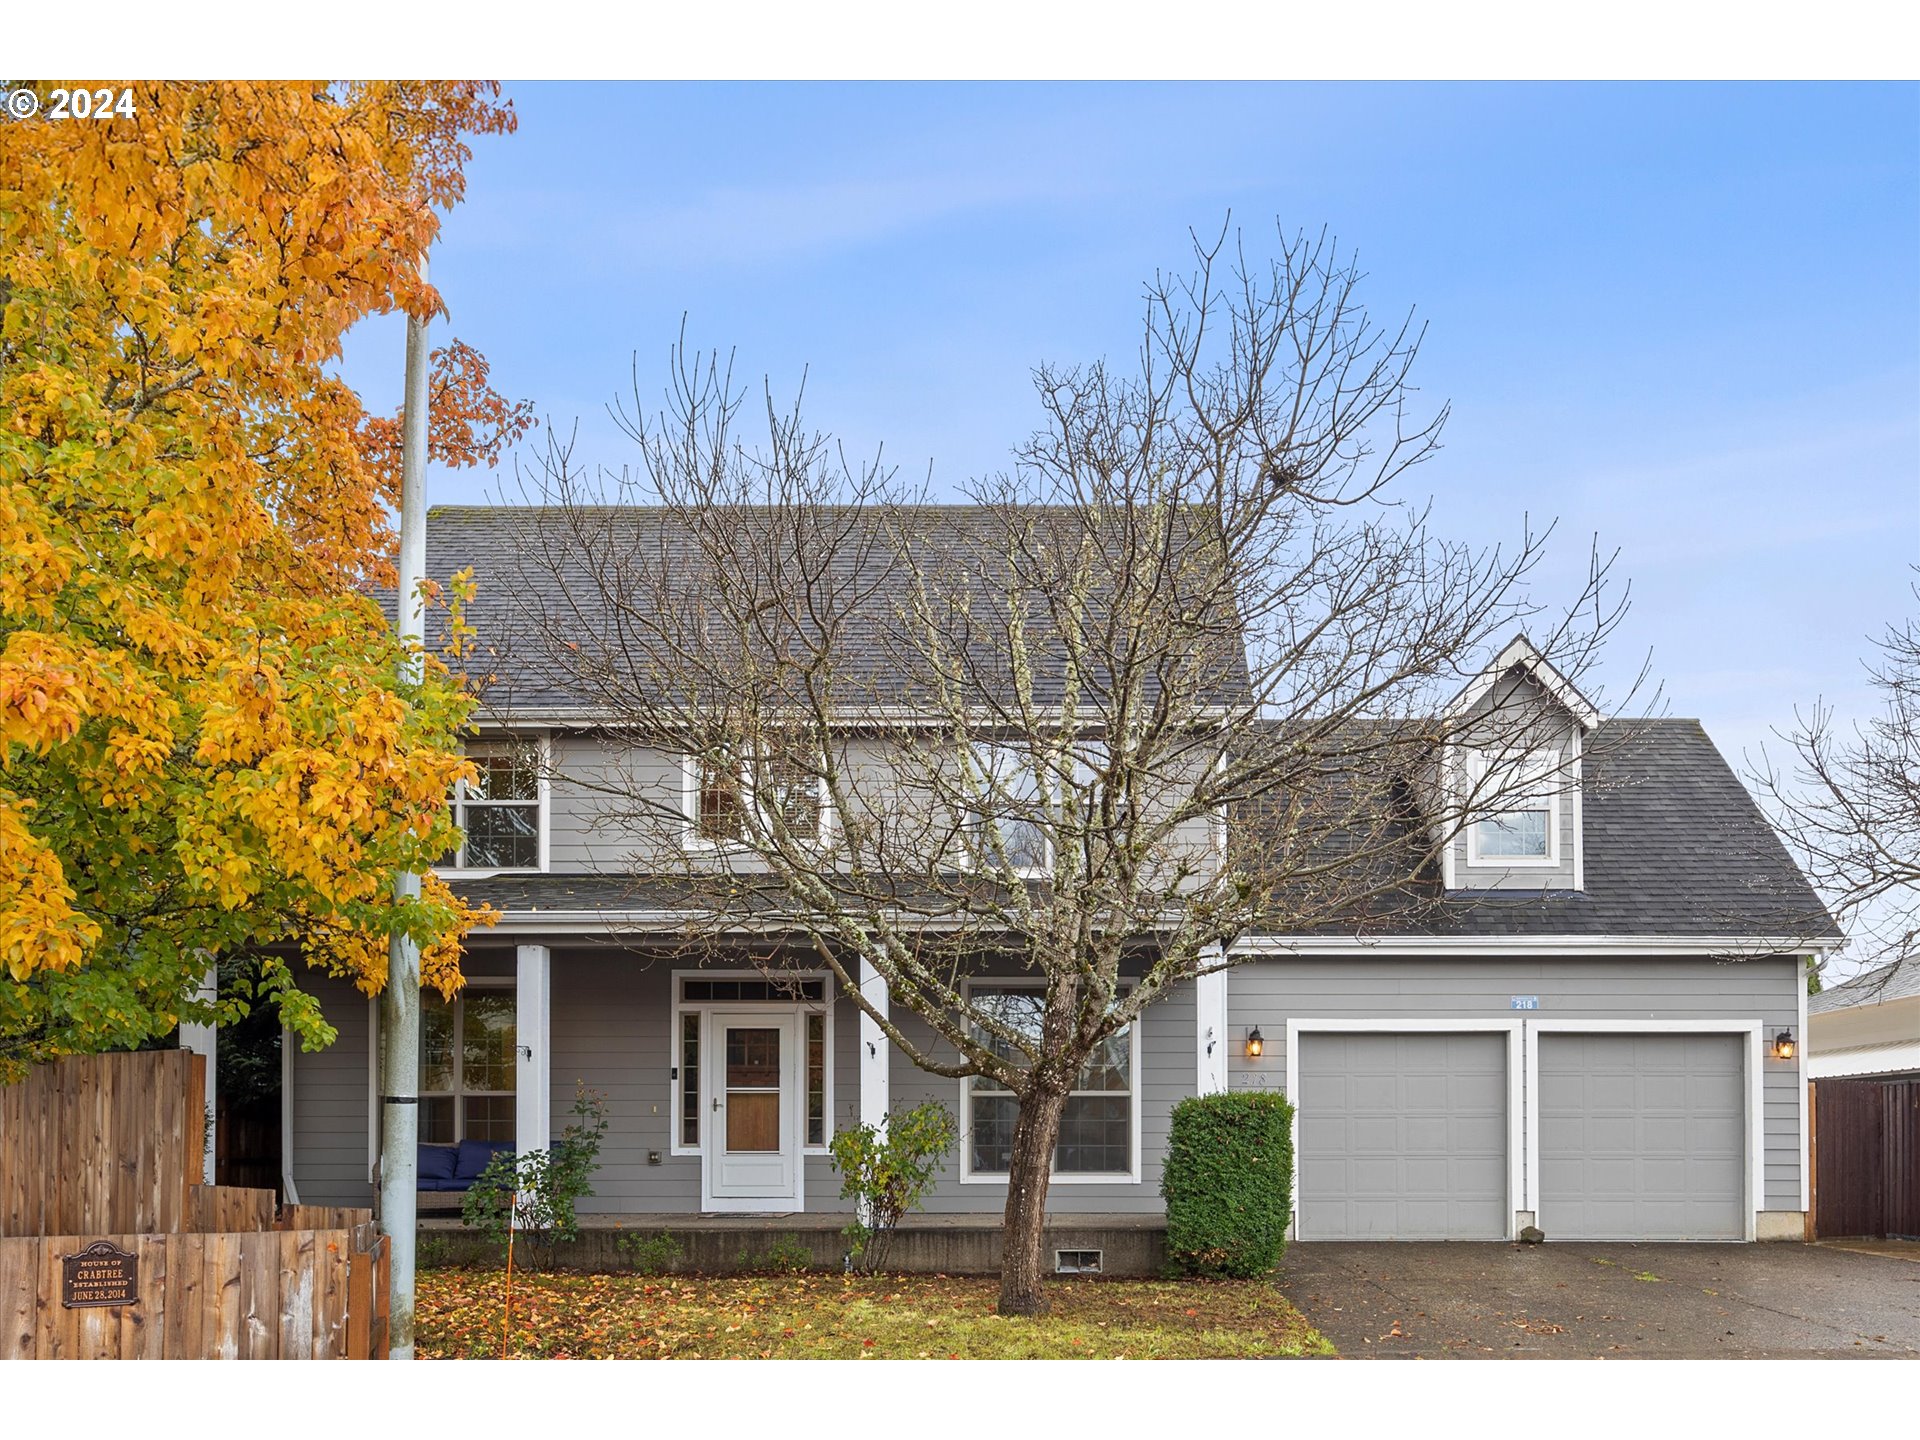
[1526, 828]
[500, 811]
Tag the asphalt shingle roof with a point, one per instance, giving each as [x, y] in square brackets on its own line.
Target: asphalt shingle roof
[536, 582]
[1898, 981]
[1674, 843]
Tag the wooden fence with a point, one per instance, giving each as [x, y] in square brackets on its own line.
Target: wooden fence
[110, 1144]
[296, 1294]
[1866, 1158]
[111, 1148]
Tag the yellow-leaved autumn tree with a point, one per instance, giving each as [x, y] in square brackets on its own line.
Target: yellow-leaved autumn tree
[204, 746]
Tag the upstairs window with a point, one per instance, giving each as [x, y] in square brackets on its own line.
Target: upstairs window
[1007, 827]
[717, 800]
[498, 812]
[1526, 829]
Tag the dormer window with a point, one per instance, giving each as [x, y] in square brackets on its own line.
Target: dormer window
[1525, 829]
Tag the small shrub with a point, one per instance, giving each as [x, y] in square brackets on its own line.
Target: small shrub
[650, 1254]
[532, 1196]
[433, 1252]
[886, 1169]
[1228, 1183]
[788, 1254]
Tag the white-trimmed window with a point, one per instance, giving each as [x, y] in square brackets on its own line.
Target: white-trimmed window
[1008, 830]
[500, 812]
[1526, 828]
[715, 800]
[467, 1052]
[1100, 1128]
[695, 996]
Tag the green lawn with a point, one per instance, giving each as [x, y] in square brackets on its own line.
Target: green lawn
[834, 1317]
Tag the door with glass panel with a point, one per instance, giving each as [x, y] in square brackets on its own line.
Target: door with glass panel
[753, 1143]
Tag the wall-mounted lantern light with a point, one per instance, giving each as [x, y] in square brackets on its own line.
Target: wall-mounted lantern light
[1783, 1047]
[1255, 1044]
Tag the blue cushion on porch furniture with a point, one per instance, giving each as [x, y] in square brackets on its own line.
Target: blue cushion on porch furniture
[442, 1183]
[473, 1158]
[436, 1163]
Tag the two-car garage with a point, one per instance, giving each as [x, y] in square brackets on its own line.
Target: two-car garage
[1450, 1130]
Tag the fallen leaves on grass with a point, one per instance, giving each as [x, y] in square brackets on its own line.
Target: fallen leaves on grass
[459, 1316]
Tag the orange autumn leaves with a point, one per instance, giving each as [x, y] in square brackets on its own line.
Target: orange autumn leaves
[463, 1314]
[204, 746]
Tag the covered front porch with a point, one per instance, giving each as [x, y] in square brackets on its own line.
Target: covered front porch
[723, 1085]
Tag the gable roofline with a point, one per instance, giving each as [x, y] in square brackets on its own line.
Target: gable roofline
[1521, 653]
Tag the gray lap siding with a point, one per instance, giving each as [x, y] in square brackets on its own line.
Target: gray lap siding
[612, 1020]
[612, 1023]
[1166, 1075]
[331, 1102]
[1267, 993]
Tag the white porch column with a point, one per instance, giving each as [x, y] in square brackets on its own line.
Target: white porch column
[1210, 1025]
[533, 1062]
[204, 1040]
[876, 1059]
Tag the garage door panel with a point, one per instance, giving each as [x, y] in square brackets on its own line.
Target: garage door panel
[1642, 1136]
[1412, 1144]
[1372, 1092]
[1675, 1134]
[1379, 1134]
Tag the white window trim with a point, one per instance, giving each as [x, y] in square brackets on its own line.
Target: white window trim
[692, 840]
[542, 744]
[459, 1092]
[701, 1007]
[979, 820]
[1756, 1168]
[1519, 1153]
[968, 1176]
[1545, 762]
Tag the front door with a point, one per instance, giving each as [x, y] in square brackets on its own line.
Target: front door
[753, 1142]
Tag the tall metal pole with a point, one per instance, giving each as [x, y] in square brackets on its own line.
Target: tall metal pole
[400, 1001]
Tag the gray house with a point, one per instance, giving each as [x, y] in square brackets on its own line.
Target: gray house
[1594, 1027]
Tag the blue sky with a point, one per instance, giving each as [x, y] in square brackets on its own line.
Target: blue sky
[1685, 318]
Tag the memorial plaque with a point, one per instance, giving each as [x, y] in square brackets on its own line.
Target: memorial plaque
[101, 1274]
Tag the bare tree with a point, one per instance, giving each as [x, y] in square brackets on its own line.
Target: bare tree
[1181, 672]
[1849, 802]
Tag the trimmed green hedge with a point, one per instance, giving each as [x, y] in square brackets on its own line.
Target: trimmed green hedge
[1228, 1182]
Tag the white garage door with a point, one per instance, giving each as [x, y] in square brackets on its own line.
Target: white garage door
[1402, 1136]
[1642, 1137]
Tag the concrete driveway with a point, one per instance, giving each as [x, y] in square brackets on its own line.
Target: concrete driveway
[1568, 1301]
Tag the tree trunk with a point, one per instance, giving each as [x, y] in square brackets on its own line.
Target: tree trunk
[1034, 1134]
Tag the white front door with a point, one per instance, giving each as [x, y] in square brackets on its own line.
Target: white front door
[752, 1159]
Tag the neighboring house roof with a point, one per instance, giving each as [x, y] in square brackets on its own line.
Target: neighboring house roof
[1898, 981]
[535, 582]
